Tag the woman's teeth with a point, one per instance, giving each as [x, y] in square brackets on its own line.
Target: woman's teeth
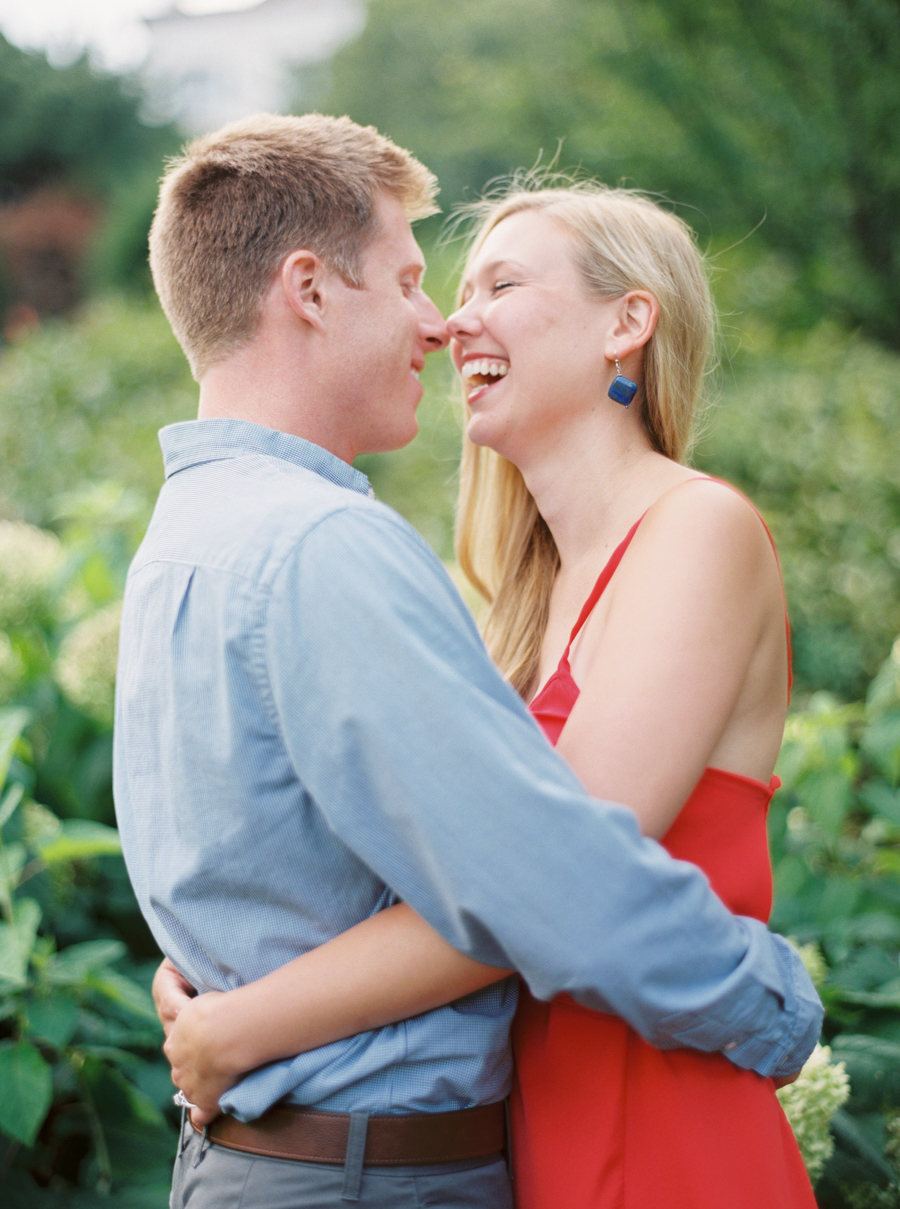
[484, 370]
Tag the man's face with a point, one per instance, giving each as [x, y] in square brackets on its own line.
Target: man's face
[385, 331]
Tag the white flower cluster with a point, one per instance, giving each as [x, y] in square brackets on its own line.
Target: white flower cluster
[85, 668]
[29, 561]
[811, 956]
[811, 1102]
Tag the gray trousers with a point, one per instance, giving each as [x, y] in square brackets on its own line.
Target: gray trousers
[212, 1177]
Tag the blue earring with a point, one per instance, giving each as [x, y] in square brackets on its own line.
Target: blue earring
[623, 389]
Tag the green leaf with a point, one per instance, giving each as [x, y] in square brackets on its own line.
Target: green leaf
[54, 1019]
[17, 942]
[11, 799]
[123, 991]
[72, 966]
[827, 796]
[849, 1134]
[873, 999]
[26, 1089]
[80, 839]
[882, 800]
[881, 741]
[873, 1065]
[12, 862]
[12, 723]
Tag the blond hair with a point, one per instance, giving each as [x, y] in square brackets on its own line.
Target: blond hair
[236, 202]
[621, 241]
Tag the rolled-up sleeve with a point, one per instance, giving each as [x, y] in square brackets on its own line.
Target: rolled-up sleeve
[427, 766]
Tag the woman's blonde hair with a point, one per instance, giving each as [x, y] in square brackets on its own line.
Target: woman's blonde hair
[621, 241]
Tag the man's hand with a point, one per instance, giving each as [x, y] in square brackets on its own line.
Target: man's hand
[196, 1054]
[171, 991]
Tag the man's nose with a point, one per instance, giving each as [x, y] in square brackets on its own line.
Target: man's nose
[433, 328]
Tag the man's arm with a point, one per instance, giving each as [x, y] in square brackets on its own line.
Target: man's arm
[428, 767]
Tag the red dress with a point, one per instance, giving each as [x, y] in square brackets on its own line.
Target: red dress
[601, 1119]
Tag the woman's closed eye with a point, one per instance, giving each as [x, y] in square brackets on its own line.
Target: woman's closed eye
[501, 285]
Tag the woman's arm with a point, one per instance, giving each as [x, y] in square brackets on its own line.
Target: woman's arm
[684, 663]
[386, 968]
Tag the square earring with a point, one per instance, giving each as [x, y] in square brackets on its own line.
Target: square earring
[622, 389]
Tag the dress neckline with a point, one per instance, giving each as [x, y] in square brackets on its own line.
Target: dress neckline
[563, 670]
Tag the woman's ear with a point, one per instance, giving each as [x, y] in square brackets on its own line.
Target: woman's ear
[304, 279]
[638, 315]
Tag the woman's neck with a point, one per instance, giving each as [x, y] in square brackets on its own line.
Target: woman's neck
[591, 488]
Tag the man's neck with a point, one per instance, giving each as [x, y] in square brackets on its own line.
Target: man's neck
[262, 389]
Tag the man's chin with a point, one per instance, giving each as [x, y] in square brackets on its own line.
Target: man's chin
[390, 442]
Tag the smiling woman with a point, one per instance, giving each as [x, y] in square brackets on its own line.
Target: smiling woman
[664, 682]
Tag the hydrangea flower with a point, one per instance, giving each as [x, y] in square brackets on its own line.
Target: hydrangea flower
[85, 668]
[30, 559]
[811, 1102]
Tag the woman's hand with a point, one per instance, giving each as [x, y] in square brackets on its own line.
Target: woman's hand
[197, 1056]
[171, 991]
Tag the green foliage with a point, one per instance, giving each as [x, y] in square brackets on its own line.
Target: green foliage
[783, 110]
[83, 402]
[835, 832]
[71, 123]
[808, 428]
[81, 1086]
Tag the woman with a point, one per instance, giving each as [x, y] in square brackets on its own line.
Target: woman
[581, 339]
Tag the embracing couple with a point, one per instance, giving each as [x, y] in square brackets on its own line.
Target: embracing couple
[346, 827]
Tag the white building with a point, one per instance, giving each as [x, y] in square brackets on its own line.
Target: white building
[211, 68]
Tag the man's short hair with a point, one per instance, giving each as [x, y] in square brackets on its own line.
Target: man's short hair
[238, 201]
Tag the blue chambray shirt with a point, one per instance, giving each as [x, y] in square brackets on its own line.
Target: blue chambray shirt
[308, 728]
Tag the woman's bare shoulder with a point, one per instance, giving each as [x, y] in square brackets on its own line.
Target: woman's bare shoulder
[708, 515]
[706, 530]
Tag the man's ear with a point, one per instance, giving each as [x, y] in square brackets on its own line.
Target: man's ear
[304, 280]
[638, 315]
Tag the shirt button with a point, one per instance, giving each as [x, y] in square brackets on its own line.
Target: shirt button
[730, 1046]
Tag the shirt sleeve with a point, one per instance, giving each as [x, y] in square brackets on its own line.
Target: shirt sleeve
[427, 765]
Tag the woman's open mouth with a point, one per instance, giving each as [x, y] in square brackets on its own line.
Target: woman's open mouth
[477, 375]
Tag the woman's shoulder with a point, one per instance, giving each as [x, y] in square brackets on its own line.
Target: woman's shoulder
[703, 521]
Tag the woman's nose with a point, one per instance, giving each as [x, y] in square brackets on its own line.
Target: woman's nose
[463, 322]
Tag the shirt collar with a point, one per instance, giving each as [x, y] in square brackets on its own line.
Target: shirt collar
[193, 442]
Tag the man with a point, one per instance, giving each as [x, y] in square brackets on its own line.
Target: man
[309, 728]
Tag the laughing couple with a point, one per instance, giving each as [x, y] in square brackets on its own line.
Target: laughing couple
[362, 857]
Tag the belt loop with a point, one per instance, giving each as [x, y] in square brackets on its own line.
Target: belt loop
[181, 1139]
[356, 1153]
[204, 1146]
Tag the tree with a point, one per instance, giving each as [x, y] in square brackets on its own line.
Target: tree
[776, 114]
[72, 138]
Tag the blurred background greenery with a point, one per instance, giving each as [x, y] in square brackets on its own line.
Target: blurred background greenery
[772, 128]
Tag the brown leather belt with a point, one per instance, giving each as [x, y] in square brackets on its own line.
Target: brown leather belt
[289, 1132]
